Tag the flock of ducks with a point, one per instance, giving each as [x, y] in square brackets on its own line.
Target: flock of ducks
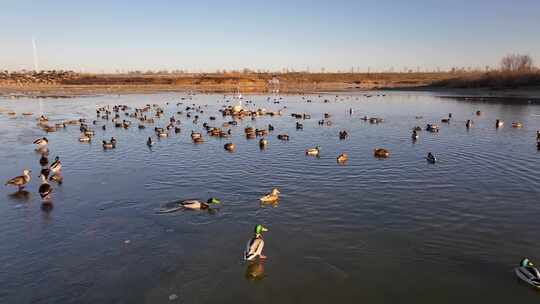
[122, 117]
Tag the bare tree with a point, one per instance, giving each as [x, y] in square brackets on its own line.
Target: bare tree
[516, 63]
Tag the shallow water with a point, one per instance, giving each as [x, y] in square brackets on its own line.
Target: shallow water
[373, 231]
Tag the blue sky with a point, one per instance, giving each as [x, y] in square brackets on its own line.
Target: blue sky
[208, 35]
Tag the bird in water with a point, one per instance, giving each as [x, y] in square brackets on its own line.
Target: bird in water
[43, 161]
[313, 151]
[271, 197]
[342, 158]
[45, 188]
[255, 245]
[149, 142]
[56, 166]
[431, 158]
[42, 145]
[198, 205]
[20, 181]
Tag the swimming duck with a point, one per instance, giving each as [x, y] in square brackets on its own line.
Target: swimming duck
[342, 158]
[229, 147]
[432, 128]
[43, 161]
[263, 143]
[41, 142]
[84, 138]
[431, 158]
[313, 151]
[198, 205]
[299, 126]
[381, 153]
[271, 197]
[537, 135]
[255, 245]
[149, 142]
[56, 166]
[20, 181]
[469, 124]
[528, 273]
[517, 125]
[417, 129]
[478, 113]
[45, 189]
[499, 123]
[195, 135]
[414, 135]
[343, 134]
[108, 145]
[284, 137]
[270, 128]
[162, 133]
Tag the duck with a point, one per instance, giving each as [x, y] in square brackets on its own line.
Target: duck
[41, 142]
[43, 161]
[414, 135]
[478, 113]
[84, 138]
[229, 147]
[162, 133]
[313, 151]
[445, 120]
[431, 158]
[517, 125]
[271, 197]
[343, 134]
[381, 153]
[20, 181]
[56, 166]
[45, 188]
[108, 145]
[195, 135]
[299, 126]
[499, 123]
[149, 142]
[270, 128]
[528, 273]
[538, 135]
[263, 143]
[255, 245]
[432, 128]
[198, 205]
[283, 137]
[469, 123]
[417, 129]
[342, 158]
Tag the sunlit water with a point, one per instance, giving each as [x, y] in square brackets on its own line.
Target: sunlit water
[398, 230]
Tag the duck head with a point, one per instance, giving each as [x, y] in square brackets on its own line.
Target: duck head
[259, 229]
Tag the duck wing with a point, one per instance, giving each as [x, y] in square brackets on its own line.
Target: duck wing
[252, 248]
[19, 180]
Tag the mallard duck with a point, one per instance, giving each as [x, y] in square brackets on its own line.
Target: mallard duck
[343, 134]
[432, 128]
[162, 133]
[229, 147]
[499, 123]
[445, 120]
[84, 138]
[271, 197]
[198, 205]
[517, 125]
[56, 166]
[431, 158]
[381, 153]
[270, 128]
[45, 188]
[20, 181]
[41, 142]
[469, 123]
[299, 126]
[342, 158]
[195, 135]
[313, 151]
[263, 143]
[149, 142]
[284, 137]
[43, 161]
[414, 135]
[537, 135]
[478, 113]
[108, 145]
[255, 245]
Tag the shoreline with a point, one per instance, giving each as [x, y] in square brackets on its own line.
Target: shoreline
[72, 91]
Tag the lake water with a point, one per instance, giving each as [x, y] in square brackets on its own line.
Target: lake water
[398, 230]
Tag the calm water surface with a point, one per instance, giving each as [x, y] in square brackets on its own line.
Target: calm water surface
[373, 231]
